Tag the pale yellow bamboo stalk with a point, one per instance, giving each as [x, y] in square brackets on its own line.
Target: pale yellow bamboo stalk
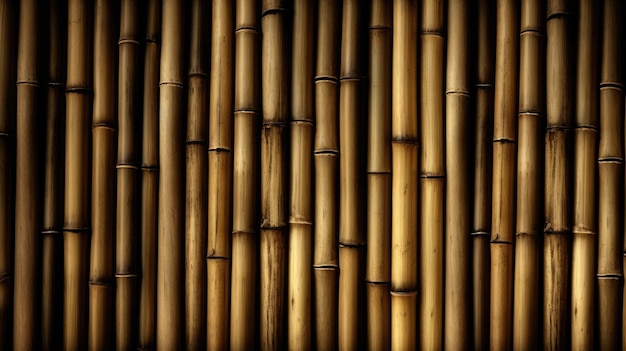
[102, 289]
[149, 177]
[170, 261]
[77, 175]
[350, 301]
[585, 154]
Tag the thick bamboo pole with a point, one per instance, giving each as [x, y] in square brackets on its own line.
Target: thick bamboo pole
[378, 264]
[28, 204]
[529, 224]
[504, 170]
[243, 305]
[585, 155]
[610, 272]
[102, 289]
[77, 174]
[170, 261]
[149, 176]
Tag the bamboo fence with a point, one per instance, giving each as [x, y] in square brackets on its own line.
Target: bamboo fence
[362, 174]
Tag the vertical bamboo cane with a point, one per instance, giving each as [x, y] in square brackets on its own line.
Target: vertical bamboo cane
[504, 162]
[404, 181]
[378, 265]
[104, 128]
[610, 273]
[245, 172]
[585, 154]
[529, 223]
[149, 177]
[325, 258]
[77, 175]
[300, 219]
[170, 285]
[220, 175]
[28, 205]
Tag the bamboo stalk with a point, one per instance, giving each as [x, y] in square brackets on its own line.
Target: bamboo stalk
[585, 154]
[28, 204]
[102, 289]
[77, 175]
[149, 177]
[350, 301]
[169, 330]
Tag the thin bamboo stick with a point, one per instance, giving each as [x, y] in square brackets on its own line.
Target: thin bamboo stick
[102, 289]
[170, 284]
[149, 177]
[77, 175]
[585, 154]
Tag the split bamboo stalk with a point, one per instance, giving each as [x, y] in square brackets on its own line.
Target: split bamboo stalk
[432, 174]
[28, 200]
[585, 155]
[481, 222]
[77, 174]
[149, 177]
[220, 175]
[326, 150]
[300, 209]
[529, 224]
[170, 261]
[378, 264]
[245, 182]
[102, 291]
[457, 255]
[610, 272]
[196, 175]
[504, 171]
[273, 244]
[557, 229]
[404, 183]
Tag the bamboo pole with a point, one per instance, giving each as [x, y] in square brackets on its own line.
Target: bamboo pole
[585, 154]
[557, 228]
[77, 175]
[529, 224]
[378, 264]
[245, 172]
[610, 272]
[28, 201]
[102, 288]
[504, 162]
[300, 209]
[170, 284]
[149, 177]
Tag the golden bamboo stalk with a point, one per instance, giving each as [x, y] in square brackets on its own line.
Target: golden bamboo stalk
[529, 224]
[170, 262]
[102, 289]
[149, 177]
[77, 175]
[28, 204]
[504, 170]
[585, 155]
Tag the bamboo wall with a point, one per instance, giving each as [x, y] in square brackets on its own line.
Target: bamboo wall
[274, 174]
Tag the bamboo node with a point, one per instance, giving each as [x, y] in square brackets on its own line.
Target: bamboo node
[583, 231]
[246, 111]
[484, 86]
[77, 230]
[404, 140]
[246, 232]
[611, 86]
[32, 83]
[212, 257]
[4, 276]
[78, 90]
[377, 282]
[480, 233]
[380, 27]
[458, 92]
[4, 135]
[126, 166]
[325, 267]
[558, 14]
[326, 79]
[50, 231]
[611, 159]
[504, 141]
[549, 231]
[432, 175]
[171, 83]
[197, 74]
[104, 125]
[434, 33]
[610, 276]
[352, 245]
[497, 241]
[100, 283]
[532, 31]
[302, 120]
[530, 113]
[273, 11]
[265, 225]
[531, 234]
[148, 168]
[219, 149]
[330, 152]
[55, 84]
[128, 41]
[126, 275]
[350, 78]
[589, 128]
[195, 142]
[152, 40]
[403, 293]
[299, 220]
[253, 30]
[378, 172]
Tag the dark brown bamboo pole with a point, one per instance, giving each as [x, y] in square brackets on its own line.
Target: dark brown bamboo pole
[484, 40]
[28, 200]
[529, 224]
[610, 273]
[170, 260]
[149, 176]
[77, 174]
[102, 291]
[504, 171]
[378, 264]
[220, 175]
[245, 172]
[585, 155]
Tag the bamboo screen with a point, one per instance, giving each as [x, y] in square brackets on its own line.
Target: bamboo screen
[273, 174]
